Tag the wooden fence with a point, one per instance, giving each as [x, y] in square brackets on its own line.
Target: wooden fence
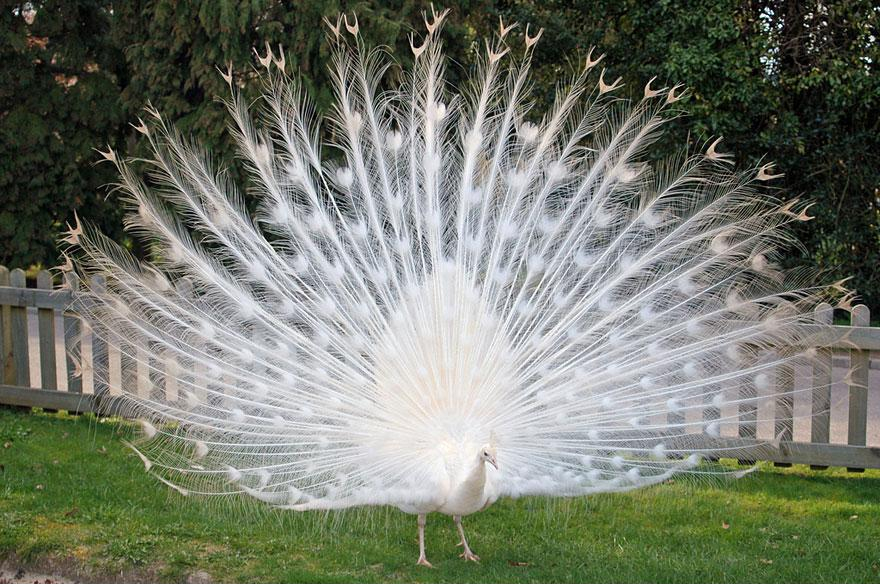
[38, 336]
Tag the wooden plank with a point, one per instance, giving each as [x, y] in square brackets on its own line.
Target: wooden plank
[675, 419]
[142, 370]
[72, 341]
[114, 369]
[46, 398]
[821, 455]
[31, 297]
[7, 371]
[46, 321]
[171, 369]
[820, 425]
[710, 411]
[128, 382]
[748, 409]
[18, 317]
[857, 428]
[100, 354]
[784, 412]
[840, 336]
[114, 405]
[192, 379]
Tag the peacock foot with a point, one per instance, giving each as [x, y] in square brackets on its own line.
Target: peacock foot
[469, 556]
[423, 561]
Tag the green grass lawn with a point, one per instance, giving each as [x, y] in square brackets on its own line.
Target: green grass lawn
[70, 491]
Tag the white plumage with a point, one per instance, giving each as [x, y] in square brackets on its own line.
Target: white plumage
[469, 301]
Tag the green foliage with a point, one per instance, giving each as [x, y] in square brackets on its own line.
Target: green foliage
[60, 81]
[71, 491]
[791, 82]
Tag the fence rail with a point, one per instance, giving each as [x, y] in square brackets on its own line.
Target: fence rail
[841, 425]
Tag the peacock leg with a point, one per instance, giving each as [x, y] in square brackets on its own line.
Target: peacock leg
[467, 554]
[423, 561]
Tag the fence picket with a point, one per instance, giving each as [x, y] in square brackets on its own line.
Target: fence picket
[748, 408]
[820, 424]
[18, 318]
[46, 321]
[857, 427]
[7, 372]
[784, 413]
[100, 356]
[73, 341]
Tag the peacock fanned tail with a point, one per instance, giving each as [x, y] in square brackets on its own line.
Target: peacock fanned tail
[461, 270]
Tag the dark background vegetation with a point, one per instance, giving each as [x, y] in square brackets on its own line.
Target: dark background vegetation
[792, 81]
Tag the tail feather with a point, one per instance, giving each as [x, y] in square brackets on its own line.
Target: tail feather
[462, 271]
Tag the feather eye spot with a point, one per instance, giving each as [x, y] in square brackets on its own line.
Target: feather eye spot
[528, 132]
[394, 140]
[344, 177]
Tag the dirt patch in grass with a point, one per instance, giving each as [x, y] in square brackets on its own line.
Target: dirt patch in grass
[71, 570]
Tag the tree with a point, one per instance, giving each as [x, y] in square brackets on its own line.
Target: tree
[789, 81]
[59, 100]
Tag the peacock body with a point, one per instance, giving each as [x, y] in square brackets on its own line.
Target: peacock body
[468, 302]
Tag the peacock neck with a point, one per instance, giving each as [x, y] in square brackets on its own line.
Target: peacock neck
[476, 478]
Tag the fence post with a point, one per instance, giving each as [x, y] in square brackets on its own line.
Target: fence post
[7, 371]
[18, 317]
[820, 425]
[46, 321]
[73, 340]
[857, 428]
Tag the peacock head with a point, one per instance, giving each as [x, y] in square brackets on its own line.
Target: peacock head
[487, 454]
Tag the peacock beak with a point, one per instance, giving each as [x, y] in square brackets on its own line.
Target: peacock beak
[491, 460]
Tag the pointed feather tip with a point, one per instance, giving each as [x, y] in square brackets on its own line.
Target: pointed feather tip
[649, 92]
[267, 60]
[152, 111]
[66, 267]
[141, 127]
[672, 97]
[592, 62]
[336, 29]
[353, 28]
[765, 172]
[504, 30]
[226, 75]
[713, 154]
[177, 488]
[281, 60]
[436, 19]
[605, 88]
[146, 461]
[788, 210]
[109, 155]
[495, 55]
[73, 233]
[417, 51]
[531, 41]
[745, 472]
